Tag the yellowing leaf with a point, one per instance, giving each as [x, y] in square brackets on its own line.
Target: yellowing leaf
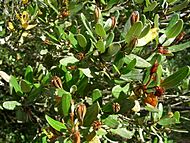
[30, 26]
[10, 26]
[152, 34]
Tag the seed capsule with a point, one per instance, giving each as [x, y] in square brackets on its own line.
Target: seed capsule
[179, 37]
[116, 107]
[159, 91]
[113, 19]
[97, 13]
[96, 125]
[151, 99]
[81, 111]
[56, 82]
[134, 17]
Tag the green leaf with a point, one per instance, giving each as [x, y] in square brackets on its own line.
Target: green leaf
[111, 121]
[99, 29]
[140, 62]
[129, 67]
[72, 39]
[91, 114]
[86, 72]
[167, 121]
[174, 19]
[180, 47]
[174, 79]
[29, 74]
[123, 132]
[108, 24]
[109, 39]
[26, 86]
[68, 60]
[81, 40]
[177, 116]
[156, 21]
[116, 90]
[134, 31]
[13, 83]
[96, 94]
[55, 124]
[10, 105]
[175, 30]
[150, 7]
[113, 49]
[100, 46]
[145, 31]
[84, 21]
[179, 7]
[52, 6]
[66, 103]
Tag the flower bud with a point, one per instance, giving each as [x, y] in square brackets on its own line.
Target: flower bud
[76, 137]
[154, 68]
[97, 13]
[134, 17]
[81, 111]
[163, 50]
[56, 82]
[113, 19]
[24, 1]
[116, 107]
[151, 99]
[159, 91]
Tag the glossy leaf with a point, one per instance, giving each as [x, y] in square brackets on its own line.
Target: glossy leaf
[96, 94]
[145, 31]
[175, 30]
[55, 124]
[123, 132]
[29, 74]
[100, 46]
[109, 39]
[86, 72]
[81, 40]
[140, 62]
[68, 60]
[152, 34]
[91, 115]
[66, 103]
[129, 67]
[99, 29]
[116, 91]
[13, 82]
[134, 31]
[174, 79]
[180, 47]
[180, 6]
[113, 49]
[10, 105]
[150, 7]
[167, 121]
[111, 121]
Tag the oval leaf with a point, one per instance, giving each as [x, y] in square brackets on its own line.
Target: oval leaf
[99, 29]
[13, 83]
[66, 103]
[175, 30]
[81, 40]
[174, 79]
[10, 105]
[179, 47]
[55, 124]
[134, 31]
[100, 46]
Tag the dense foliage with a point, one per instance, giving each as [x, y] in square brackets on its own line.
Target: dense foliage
[94, 71]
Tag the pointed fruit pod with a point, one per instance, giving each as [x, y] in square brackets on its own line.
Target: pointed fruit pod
[134, 17]
[81, 112]
[56, 82]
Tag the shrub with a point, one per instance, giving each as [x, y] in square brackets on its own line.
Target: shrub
[93, 71]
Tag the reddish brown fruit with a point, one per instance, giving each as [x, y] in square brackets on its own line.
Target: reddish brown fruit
[159, 91]
[154, 68]
[151, 99]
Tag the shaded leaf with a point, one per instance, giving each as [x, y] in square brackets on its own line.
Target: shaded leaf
[174, 79]
[81, 40]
